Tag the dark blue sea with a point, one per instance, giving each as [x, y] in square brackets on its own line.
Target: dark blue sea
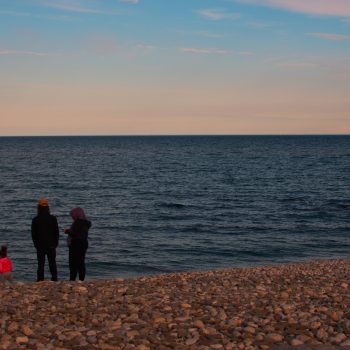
[181, 203]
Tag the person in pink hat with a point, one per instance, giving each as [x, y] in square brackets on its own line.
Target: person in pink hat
[78, 243]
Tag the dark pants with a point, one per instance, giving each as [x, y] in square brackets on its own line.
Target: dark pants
[77, 252]
[51, 257]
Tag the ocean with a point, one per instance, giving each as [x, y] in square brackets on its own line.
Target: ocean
[162, 204]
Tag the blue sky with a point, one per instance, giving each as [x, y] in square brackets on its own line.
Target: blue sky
[174, 67]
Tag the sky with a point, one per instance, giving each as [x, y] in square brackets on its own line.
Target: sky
[148, 67]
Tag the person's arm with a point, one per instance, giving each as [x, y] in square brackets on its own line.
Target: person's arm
[56, 230]
[34, 233]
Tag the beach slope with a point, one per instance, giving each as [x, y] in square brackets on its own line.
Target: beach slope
[239, 308]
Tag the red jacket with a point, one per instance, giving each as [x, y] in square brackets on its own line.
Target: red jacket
[5, 265]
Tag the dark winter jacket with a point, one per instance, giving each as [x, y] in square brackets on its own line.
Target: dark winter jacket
[45, 232]
[78, 232]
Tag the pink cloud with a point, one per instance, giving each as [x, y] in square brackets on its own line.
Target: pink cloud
[209, 50]
[146, 47]
[330, 36]
[217, 14]
[87, 7]
[131, 1]
[297, 64]
[339, 8]
[25, 53]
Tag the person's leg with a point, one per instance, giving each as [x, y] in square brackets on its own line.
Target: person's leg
[40, 254]
[8, 277]
[72, 264]
[81, 265]
[51, 256]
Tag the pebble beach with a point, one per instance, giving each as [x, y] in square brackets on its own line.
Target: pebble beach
[291, 306]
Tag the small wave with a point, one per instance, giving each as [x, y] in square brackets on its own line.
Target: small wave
[294, 199]
[170, 205]
[175, 217]
[197, 229]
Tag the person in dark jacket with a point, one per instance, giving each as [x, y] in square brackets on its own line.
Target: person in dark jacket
[78, 243]
[45, 235]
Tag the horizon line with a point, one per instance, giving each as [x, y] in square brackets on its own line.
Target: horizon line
[162, 135]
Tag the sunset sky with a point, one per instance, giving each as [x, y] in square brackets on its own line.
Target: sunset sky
[130, 67]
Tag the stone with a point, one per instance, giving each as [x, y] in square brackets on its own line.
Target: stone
[284, 296]
[143, 347]
[191, 341]
[321, 334]
[335, 316]
[296, 342]
[159, 320]
[132, 334]
[315, 325]
[274, 337]
[22, 340]
[26, 330]
[345, 343]
[199, 324]
[250, 330]
[339, 338]
[91, 333]
[82, 290]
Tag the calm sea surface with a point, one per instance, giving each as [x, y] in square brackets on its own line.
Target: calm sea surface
[164, 204]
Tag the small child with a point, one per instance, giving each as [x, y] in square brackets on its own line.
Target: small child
[5, 265]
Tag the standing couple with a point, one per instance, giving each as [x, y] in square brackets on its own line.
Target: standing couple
[45, 235]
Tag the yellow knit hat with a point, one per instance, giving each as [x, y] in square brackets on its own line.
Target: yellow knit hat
[43, 202]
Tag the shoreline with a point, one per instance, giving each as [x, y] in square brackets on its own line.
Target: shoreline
[298, 304]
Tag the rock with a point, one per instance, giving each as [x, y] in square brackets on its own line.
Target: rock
[27, 330]
[296, 342]
[132, 334]
[335, 316]
[81, 290]
[91, 333]
[222, 315]
[284, 296]
[250, 330]
[339, 338]
[191, 341]
[315, 325]
[321, 334]
[22, 340]
[303, 338]
[236, 322]
[105, 346]
[143, 347]
[13, 327]
[274, 337]
[199, 324]
[158, 320]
